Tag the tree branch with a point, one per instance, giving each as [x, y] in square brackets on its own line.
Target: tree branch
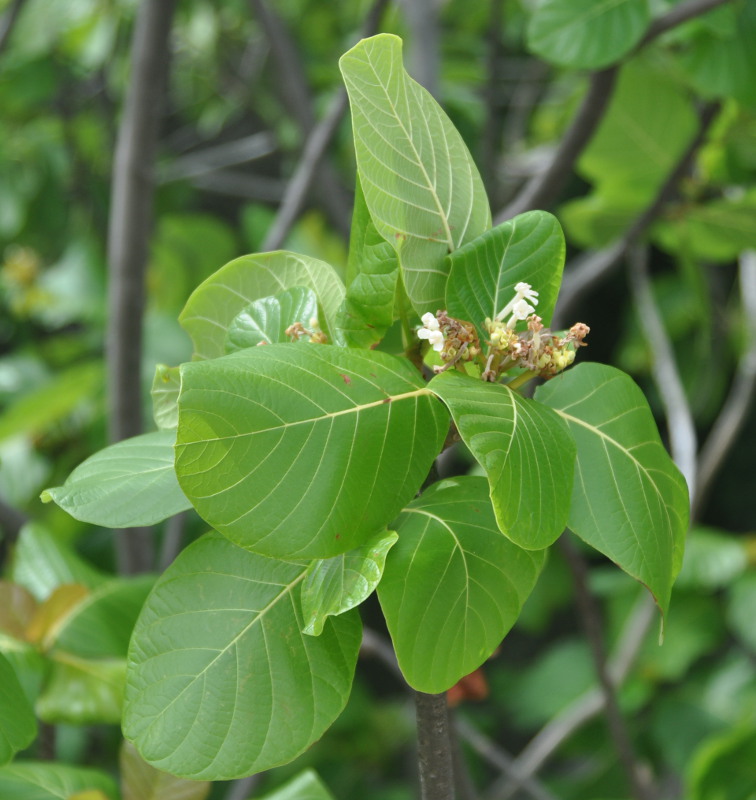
[128, 239]
[8, 22]
[543, 189]
[591, 268]
[11, 522]
[683, 440]
[735, 409]
[313, 152]
[434, 747]
[424, 51]
[591, 620]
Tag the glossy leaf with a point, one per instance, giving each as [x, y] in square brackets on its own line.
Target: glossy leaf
[373, 270]
[423, 190]
[334, 585]
[525, 449]
[215, 303]
[32, 780]
[42, 562]
[128, 484]
[304, 450]
[629, 500]
[222, 682]
[588, 34]
[80, 691]
[267, 319]
[305, 786]
[528, 248]
[165, 392]
[141, 781]
[18, 726]
[453, 585]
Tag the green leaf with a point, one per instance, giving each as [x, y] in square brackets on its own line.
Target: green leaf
[222, 682]
[30, 780]
[305, 786]
[304, 450]
[629, 500]
[127, 484]
[713, 559]
[723, 767]
[80, 691]
[41, 563]
[649, 123]
[18, 726]
[368, 308]
[421, 185]
[267, 319]
[525, 449]
[141, 781]
[453, 585]
[587, 34]
[100, 625]
[483, 274]
[740, 609]
[334, 585]
[165, 391]
[215, 303]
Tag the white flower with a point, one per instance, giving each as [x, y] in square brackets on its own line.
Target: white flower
[523, 292]
[431, 332]
[520, 310]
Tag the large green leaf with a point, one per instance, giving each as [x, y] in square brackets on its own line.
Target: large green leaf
[127, 484]
[41, 563]
[650, 122]
[215, 303]
[305, 786]
[266, 320]
[453, 585]
[30, 780]
[586, 33]
[629, 500]
[304, 450]
[222, 682]
[423, 190]
[18, 727]
[373, 270]
[141, 781]
[525, 449]
[529, 248]
[334, 585]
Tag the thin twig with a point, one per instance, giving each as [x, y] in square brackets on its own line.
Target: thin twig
[590, 269]
[313, 152]
[735, 409]
[676, 16]
[128, 240]
[683, 441]
[8, 22]
[543, 189]
[591, 619]
[11, 522]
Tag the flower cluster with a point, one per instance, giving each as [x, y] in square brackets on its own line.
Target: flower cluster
[454, 339]
[297, 331]
[519, 306]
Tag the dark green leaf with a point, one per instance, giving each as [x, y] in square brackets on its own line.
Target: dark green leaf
[526, 451]
[18, 726]
[304, 450]
[141, 781]
[267, 319]
[453, 585]
[529, 248]
[222, 682]
[629, 501]
[334, 585]
[423, 190]
[127, 484]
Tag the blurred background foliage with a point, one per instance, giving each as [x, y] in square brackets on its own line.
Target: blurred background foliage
[238, 111]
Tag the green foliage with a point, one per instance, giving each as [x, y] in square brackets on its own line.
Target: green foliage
[18, 726]
[41, 781]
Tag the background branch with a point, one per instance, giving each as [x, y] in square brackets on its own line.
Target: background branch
[128, 240]
[8, 22]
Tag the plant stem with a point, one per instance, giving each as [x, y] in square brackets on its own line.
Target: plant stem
[435, 755]
[520, 380]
